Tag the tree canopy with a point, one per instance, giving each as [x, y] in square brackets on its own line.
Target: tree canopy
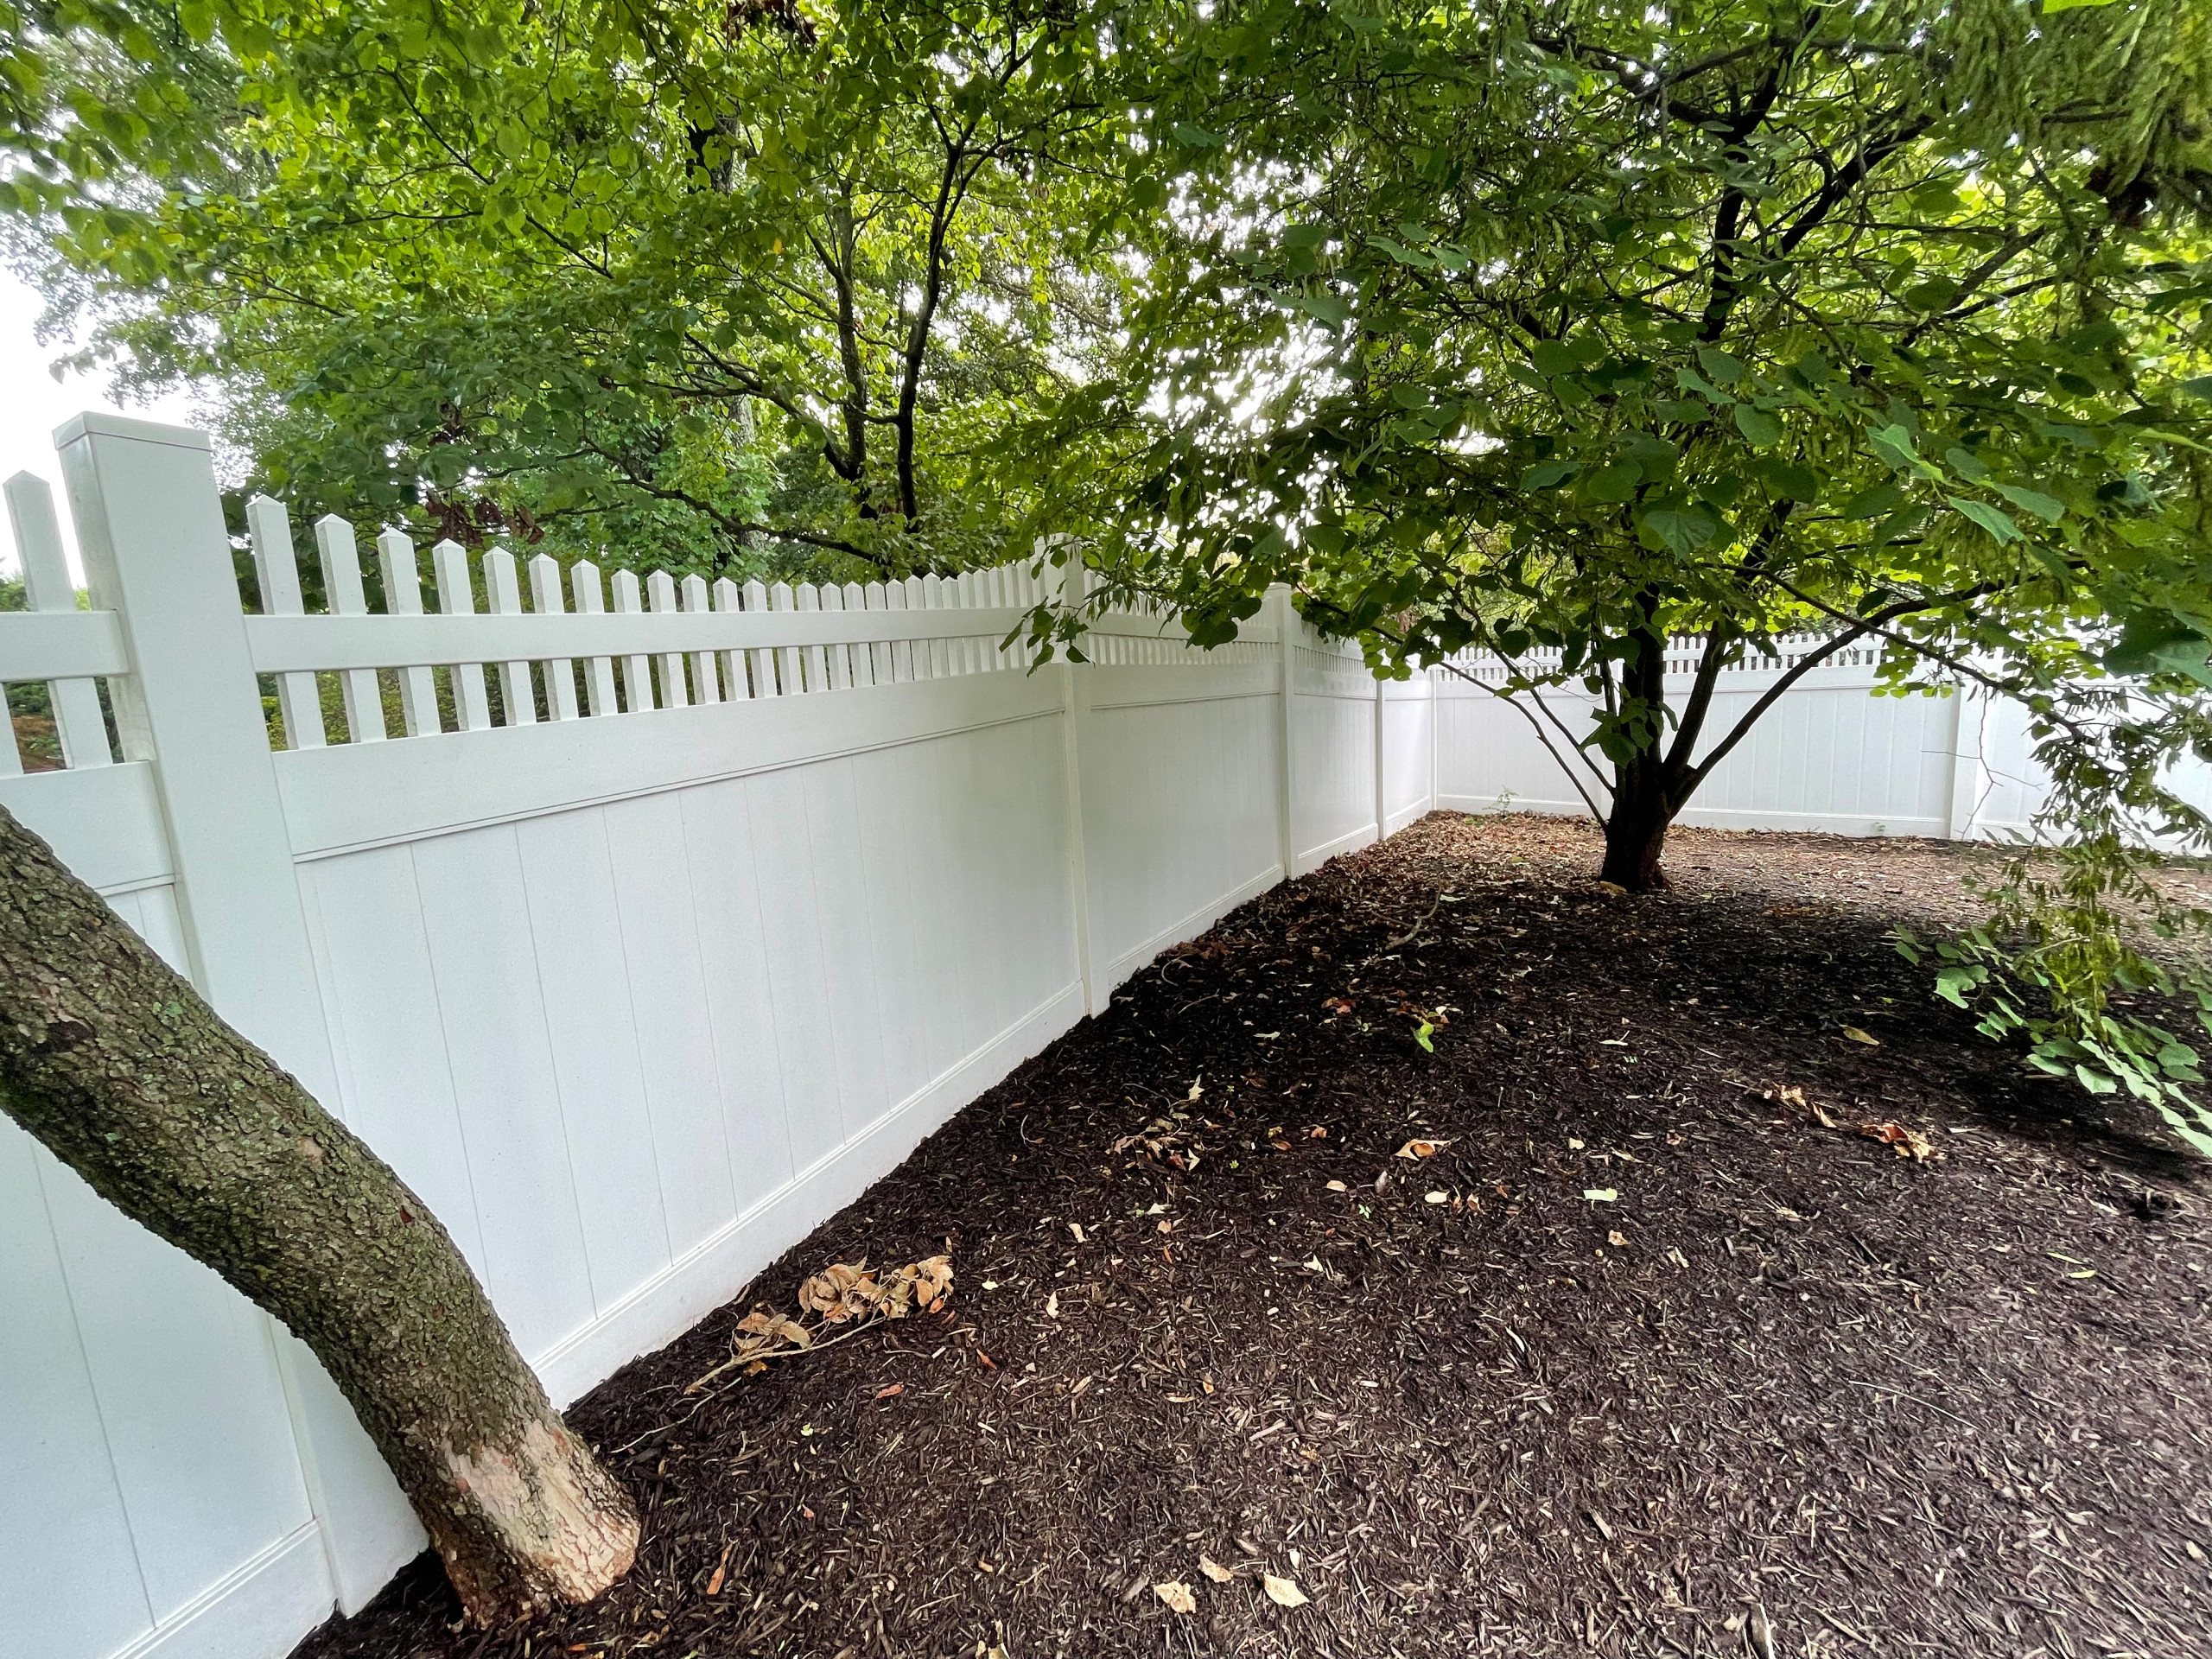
[683, 280]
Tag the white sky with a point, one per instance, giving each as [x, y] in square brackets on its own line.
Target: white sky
[33, 403]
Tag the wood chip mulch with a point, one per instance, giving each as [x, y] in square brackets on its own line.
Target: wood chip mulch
[1657, 1352]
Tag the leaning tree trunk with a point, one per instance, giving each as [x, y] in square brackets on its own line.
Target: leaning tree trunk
[115, 1063]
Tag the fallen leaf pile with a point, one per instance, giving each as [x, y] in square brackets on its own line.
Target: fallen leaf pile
[1165, 1142]
[1909, 1143]
[845, 1293]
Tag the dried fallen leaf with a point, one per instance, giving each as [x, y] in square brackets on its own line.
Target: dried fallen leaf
[1176, 1595]
[1859, 1036]
[1339, 1005]
[1197, 1088]
[892, 1392]
[844, 1292]
[1421, 1148]
[1339, 1186]
[1282, 1591]
[721, 1569]
[1616, 1240]
[1214, 1570]
[1909, 1143]
[1075, 1227]
[1053, 1305]
[1438, 1197]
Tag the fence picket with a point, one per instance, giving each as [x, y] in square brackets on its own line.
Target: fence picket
[734, 675]
[660, 591]
[637, 671]
[808, 597]
[764, 662]
[269, 529]
[694, 592]
[472, 705]
[863, 656]
[879, 654]
[341, 585]
[940, 654]
[504, 593]
[840, 661]
[76, 703]
[779, 598]
[403, 596]
[560, 672]
[902, 651]
[591, 600]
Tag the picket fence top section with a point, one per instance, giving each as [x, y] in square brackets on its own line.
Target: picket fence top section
[563, 641]
[1685, 651]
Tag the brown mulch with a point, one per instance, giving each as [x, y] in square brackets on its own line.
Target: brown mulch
[1950, 1407]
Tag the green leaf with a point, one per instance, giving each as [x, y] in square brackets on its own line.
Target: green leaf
[2156, 642]
[1324, 307]
[1549, 474]
[2048, 508]
[1555, 357]
[1787, 478]
[1894, 444]
[1613, 483]
[1682, 530]
[1996, 523]
[1756, 424]
[1874, 501]
[1719, 368]
[1967, 464]
[1195, 137]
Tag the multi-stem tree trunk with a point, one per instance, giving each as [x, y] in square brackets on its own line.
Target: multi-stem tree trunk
[116, 1064]
[1635, 836]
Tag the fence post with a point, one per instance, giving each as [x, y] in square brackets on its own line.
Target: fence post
[1074, 708]
[1286, 623]
[149, 525]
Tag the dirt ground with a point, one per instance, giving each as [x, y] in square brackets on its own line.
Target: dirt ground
[1645, 1358]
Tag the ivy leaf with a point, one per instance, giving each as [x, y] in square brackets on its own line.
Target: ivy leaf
[1999, 524]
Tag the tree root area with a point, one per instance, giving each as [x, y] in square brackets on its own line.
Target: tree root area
[1646, 1357]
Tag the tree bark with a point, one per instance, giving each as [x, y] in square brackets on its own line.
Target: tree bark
[1636, 835]
[115, 1063]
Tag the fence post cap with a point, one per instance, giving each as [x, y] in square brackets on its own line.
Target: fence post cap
[98, 423]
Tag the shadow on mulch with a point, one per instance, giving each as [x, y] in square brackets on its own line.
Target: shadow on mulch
[1640, 1348]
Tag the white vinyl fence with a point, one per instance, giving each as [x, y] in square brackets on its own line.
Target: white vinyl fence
[635, 994]
[748, 892]
[1828, 756]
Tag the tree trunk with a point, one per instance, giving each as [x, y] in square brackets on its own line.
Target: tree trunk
[1635, 836]
[115, 1063]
